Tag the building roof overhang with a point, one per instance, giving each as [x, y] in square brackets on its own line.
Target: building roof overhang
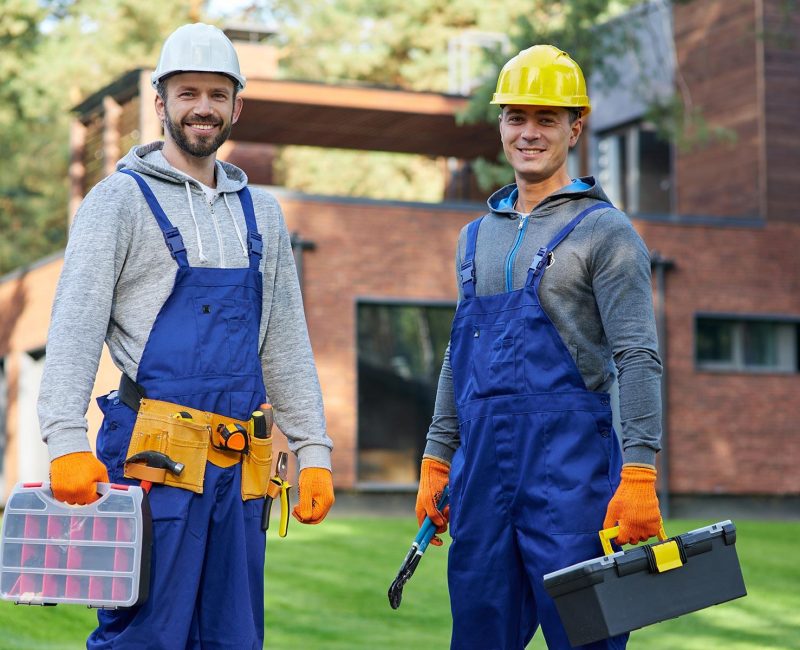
[345, 116]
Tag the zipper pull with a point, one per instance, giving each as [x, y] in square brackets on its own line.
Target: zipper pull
[522, 221]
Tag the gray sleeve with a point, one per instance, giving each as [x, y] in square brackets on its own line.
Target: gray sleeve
[620, 266]
[443, 439]
[96, 250]
[287, 362]
[443, 435]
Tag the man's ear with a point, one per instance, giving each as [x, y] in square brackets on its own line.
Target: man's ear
[237, 109]
[576, 128]
[161, 107]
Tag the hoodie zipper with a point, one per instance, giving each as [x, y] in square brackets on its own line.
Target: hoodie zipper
[523, 226]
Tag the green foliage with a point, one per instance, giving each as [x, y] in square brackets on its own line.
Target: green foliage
[326, 588]
[55, 52]
[359, 173]
[686, 127]
[401, 43]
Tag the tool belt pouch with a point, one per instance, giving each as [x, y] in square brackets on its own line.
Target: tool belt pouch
[183, 440]
[256, 467]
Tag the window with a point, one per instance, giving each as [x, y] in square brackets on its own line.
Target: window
[750, 344]
[634, 168]
[400, 352]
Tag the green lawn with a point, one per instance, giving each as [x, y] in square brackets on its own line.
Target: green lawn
[326, 590]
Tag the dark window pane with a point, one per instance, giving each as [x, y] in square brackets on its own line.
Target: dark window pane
[714, 340]
[761, 344]
[400, 352]
[613, 171]
[654, 174]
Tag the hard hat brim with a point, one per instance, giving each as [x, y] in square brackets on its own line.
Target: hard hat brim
[239, 81]
[506, 99]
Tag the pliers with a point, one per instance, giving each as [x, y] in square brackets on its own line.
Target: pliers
[278, 486]
[418, 547]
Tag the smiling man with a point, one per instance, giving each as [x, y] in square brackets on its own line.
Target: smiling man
[188, 277]
[554, 301]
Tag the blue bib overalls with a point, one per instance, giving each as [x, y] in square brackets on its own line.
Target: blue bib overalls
[207, 573]
[537, 466]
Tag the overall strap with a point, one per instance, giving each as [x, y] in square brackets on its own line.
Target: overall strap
[255, 244]
[537, 267]
[467, 271]
[172, 235]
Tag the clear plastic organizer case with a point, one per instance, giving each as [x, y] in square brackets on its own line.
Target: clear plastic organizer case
[96, 555]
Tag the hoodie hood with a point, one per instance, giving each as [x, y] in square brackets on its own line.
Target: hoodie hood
[502, 201]
[148, 159]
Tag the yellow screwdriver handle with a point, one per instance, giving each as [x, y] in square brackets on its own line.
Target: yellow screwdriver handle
[284, 526]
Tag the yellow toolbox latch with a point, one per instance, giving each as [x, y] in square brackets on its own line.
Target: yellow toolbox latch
[667, 556]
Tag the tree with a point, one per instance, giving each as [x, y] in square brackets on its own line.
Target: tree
[404, 43]
[55, 52]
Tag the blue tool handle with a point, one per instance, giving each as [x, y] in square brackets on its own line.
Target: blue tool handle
[428, 528]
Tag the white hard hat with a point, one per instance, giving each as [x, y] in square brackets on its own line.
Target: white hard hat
[198, 48]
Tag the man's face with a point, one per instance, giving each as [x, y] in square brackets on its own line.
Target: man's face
[199, 111]
[536, 139]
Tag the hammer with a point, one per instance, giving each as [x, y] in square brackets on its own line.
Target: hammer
[151, 467]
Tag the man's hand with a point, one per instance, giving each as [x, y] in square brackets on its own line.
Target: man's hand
[316, 495]
[433, 477]
[634, 506]
[74, 477]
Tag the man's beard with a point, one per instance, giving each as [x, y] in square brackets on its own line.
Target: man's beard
[201, 148]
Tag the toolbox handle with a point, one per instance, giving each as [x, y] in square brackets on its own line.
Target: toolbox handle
[103, 489]
[607, 534]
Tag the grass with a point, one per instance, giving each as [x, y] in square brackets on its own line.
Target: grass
[326, 590]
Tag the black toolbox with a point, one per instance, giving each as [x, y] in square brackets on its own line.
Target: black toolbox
[623, 591]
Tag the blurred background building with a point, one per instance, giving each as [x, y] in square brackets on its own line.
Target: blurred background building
[378, 275]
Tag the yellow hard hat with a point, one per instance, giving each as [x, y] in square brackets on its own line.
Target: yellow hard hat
[542, 75]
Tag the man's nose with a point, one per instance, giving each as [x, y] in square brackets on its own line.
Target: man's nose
[531, 131]
[203, 105]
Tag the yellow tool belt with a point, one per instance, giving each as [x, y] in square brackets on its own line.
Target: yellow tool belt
[165, 427]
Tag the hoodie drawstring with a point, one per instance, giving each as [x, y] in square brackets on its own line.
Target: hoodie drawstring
[235, 225]
[202, 255]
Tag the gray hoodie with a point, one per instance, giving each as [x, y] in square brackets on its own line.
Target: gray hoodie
[118, 273]
[598, 294]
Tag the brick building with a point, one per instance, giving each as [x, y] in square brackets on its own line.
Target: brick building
[378, 280]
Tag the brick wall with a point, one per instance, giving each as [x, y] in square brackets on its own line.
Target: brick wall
[717, 50]
[734, 433]
[365, 249]
[781, 43]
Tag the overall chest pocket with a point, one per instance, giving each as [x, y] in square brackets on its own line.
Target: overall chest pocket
[498, 358]
[225, 335]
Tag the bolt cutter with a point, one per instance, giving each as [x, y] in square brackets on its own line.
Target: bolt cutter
[418, 547]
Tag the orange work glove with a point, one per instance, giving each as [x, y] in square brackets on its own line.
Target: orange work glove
[634, 506]
[315, 494]
[433, 477]
[74, 477]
